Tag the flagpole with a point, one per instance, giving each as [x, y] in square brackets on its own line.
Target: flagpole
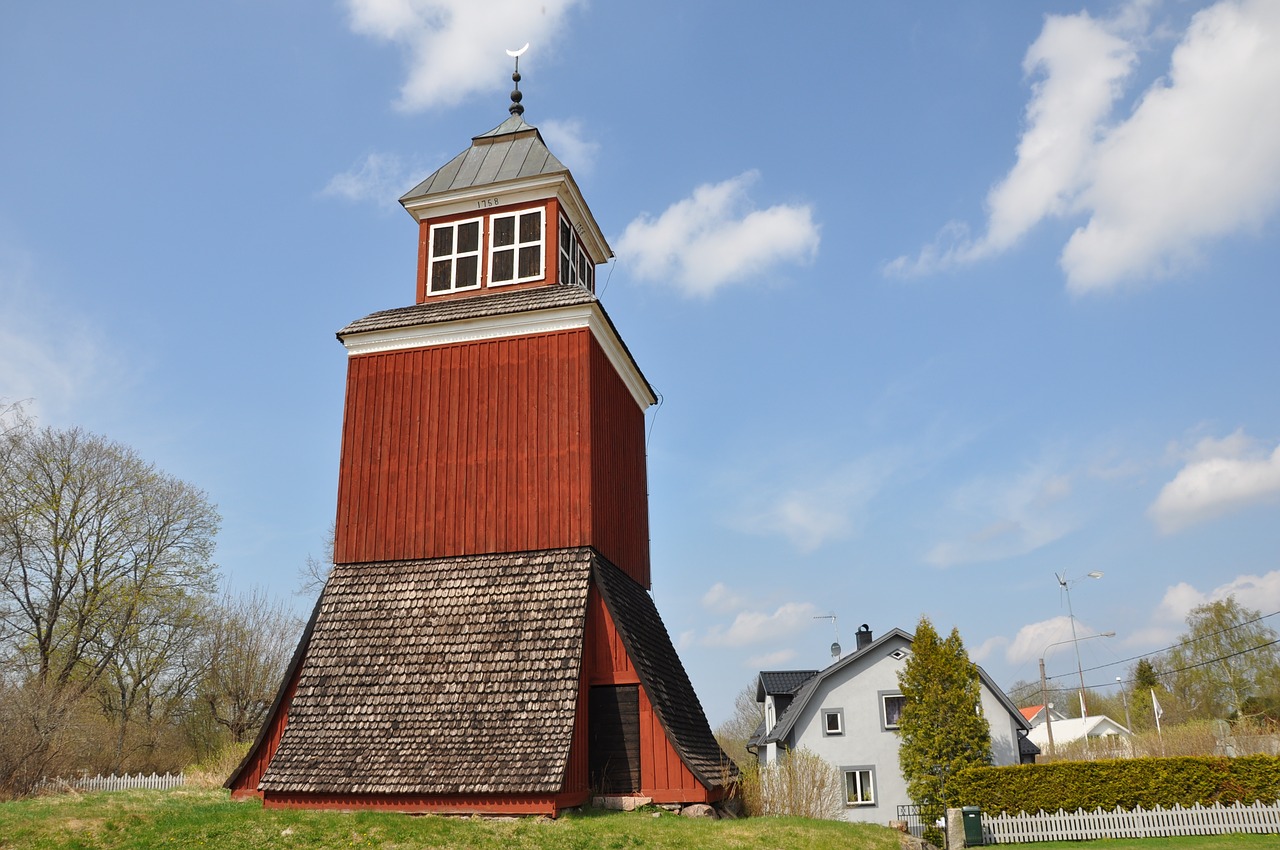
[1155, 709]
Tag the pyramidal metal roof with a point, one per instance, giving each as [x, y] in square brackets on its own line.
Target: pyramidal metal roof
[511, 151]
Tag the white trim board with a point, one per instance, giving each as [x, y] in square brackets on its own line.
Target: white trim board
[508, 325]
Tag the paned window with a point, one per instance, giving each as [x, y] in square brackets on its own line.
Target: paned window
[859, 786]
[892, 709]
[575, 264]
[833, 721]
[455, 256]
[515, 247]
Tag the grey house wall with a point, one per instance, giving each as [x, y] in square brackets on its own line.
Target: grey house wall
[856, 692]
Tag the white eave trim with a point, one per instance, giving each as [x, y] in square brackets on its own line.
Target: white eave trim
[507, 325]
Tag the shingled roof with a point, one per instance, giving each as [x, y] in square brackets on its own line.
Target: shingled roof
[450, 675]
[663, 676]
[479, 307]
[438, 677]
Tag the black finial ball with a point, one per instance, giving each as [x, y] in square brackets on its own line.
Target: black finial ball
[515, 75]
[517, 96]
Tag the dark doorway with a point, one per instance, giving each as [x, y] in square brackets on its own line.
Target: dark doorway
[613, 730]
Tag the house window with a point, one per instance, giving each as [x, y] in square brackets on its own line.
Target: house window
[833, 721]
[859, 786]
[455, 256]
[515, 247]
[575, 264]
[891, 709]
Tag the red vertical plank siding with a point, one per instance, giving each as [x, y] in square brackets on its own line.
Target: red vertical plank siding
[467, 448]
[619, 484]
[663, 774]
[246, 785]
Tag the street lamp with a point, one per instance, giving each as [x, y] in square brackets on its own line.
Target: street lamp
[1044, 696]
[1066, 585]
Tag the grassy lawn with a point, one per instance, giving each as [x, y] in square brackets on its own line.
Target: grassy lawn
[188, 818]
[1191, 842]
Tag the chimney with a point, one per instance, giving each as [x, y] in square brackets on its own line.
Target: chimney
[864, 636]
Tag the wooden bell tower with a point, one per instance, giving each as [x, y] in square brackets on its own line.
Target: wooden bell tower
[485, 642]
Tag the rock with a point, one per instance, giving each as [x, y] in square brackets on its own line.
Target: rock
[620, 804]
[698, 810]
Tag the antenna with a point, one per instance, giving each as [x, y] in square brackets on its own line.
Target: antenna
[515, 108]
[835, 647]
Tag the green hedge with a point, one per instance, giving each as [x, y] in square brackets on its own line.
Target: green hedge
[1124, 783]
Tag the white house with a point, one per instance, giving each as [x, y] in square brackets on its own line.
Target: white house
[1068, 730]
[848, 714]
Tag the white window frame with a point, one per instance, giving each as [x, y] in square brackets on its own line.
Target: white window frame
[454, 256]
[827, 714]
[516, 246]
[582, 271]
[885, 696]
[864, 784]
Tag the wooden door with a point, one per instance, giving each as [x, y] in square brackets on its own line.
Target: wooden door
[613, 731]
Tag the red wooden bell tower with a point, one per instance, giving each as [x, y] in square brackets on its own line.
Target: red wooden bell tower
[485, 641]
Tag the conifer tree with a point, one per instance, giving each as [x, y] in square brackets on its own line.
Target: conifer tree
[942, 727]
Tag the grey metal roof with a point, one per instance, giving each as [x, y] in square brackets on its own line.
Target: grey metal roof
[512, 150]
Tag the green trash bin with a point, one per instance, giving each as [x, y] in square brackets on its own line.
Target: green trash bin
[972, 826]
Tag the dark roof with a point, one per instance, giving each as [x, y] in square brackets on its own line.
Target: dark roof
[803, 694]
[475, 307]
[1027, 747]
[461, 676]
[483, 306]
[512, 150]
[452, 675]
[781, 682]
[662, 675]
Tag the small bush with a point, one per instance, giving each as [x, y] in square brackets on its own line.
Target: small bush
[800, 784]
[214, 770]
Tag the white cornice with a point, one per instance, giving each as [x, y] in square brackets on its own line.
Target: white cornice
[508, 325]
[521, 190]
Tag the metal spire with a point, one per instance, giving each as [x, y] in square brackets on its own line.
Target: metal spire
[515, 108]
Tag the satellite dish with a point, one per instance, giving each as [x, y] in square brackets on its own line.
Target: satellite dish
[835, 650]
[516, 54]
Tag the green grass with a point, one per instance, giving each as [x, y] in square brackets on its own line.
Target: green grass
[1191, 842]
[187, 818]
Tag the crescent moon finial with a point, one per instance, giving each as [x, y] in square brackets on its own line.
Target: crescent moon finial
[516, 96]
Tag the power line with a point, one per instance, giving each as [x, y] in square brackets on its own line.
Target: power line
[1175, 646]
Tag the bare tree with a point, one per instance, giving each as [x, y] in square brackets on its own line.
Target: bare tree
[250, 641]
[94, 543]
[734, 733]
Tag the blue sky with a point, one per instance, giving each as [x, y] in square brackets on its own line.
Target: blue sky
[941, 299]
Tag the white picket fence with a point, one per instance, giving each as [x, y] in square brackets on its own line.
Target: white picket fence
[1139, 823]
[113, 783]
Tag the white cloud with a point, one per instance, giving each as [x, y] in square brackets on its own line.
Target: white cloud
[1009, 517]
[456, 48]
[716, 237]
[1034, 639]
[49, 356]
[720, 598]
[1220, 476]
[751, 627]
[380, 177]
[819, 508]
[770, 659]
[1258, 592]
[1197, 159]
[568, 141]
